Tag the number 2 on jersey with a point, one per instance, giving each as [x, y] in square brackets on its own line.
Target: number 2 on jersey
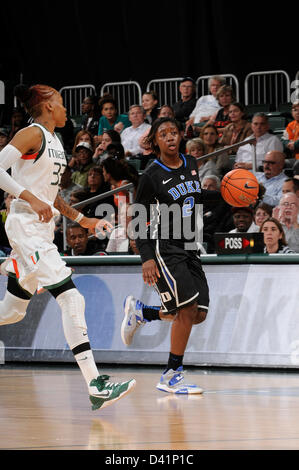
[188, 206]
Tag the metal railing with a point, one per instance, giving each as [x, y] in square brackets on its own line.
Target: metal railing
[295, 85]
[202, 84]
[2, 92]
[167, 90]
[271, 87]
[218, 152]
[125, 93]
[73, 97]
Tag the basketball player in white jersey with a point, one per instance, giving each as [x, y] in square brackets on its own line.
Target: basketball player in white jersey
[37, 160]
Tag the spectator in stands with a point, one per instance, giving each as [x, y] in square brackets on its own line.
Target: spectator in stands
[166, 111]
[210, 137]
[211, 183]
[287, 213]
[6, 203]
[96, 186]
[67, 134]
[196, 148]
[118, 240]
[118, 173]
[150, 106]
[90, 121]
[76, 196]
[290, 138]
[79, 195]
[67, 186]
[81, 136]
[243, 219]
[147, 154]
[272, 177]
[3, 137]
[84, 152]
[110, 118]
[207, 105]
[225, 97]
[238, 129]
[184, 107]
[115, 149]
[78, 242]
[262, 212]
[217, 216]
[274, 237]
[264, 143]
[131, 135]
[291, 185]
[101, 150]
[18, 121]
[288, 186]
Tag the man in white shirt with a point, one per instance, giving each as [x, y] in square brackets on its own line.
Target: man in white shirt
[207, 105]
[273, 177]
[265, 142]
[131, 135]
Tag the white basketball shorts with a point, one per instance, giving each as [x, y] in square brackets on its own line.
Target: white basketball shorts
[34, 259]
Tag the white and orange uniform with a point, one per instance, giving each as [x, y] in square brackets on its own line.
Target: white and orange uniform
[34, 259]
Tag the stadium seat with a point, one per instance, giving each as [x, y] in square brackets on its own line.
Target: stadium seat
[258, 108]
[135, 163]
[285, 109]
[77, 121]
[277, 123]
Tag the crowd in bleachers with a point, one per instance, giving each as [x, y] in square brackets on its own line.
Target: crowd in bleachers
[107, 150]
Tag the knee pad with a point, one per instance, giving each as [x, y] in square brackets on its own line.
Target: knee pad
[12, 309]
[72, 305]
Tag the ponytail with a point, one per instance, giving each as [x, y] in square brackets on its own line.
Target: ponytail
[32, 97]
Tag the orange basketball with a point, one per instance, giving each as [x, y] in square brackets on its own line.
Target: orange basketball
[239, 188]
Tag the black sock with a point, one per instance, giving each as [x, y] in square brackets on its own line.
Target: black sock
[174, 361]
[150, 313]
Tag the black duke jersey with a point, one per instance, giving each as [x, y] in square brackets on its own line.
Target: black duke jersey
[172, 200]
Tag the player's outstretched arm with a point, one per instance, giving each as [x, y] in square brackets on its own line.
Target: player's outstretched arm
[73, 214]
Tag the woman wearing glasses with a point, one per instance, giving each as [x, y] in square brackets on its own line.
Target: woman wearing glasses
[287, 214]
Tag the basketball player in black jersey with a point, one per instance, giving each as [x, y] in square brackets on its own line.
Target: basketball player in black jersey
[170, 191]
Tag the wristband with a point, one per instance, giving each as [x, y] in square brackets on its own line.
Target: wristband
[79, 218]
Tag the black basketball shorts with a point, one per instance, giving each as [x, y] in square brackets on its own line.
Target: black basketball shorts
[182, 280]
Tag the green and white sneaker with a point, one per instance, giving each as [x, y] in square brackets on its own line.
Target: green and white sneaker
[103, 393]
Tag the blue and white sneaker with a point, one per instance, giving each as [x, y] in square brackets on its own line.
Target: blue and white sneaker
[132, 320]
[172, 381]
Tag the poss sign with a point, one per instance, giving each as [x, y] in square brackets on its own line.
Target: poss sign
[237, 243]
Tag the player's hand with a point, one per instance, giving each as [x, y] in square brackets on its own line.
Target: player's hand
[43, 210]
[150, 272]
[93, 224]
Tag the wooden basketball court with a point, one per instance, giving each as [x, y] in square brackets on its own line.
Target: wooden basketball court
[46, 407]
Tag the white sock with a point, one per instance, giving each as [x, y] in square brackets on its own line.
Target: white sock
[85, 361]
